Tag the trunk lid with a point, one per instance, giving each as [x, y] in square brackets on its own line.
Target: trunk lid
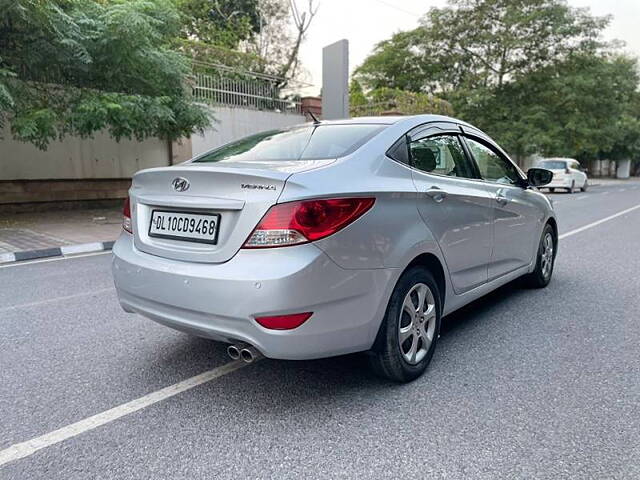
[239, 192]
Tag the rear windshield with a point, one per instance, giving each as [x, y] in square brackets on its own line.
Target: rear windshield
[553, 164]
[302, 143]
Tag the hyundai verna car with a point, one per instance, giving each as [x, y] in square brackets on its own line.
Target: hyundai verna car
[334, 237]
[567, 174]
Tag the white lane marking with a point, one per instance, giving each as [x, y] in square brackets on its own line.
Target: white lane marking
[594, 224]
[581, 197]
[56, 299]
[24, 449]
[56, 259]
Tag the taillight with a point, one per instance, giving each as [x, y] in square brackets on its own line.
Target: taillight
[284, 322]
[126, 216]
[304, 221]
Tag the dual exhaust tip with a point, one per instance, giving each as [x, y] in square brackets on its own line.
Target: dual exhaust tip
[243, 352]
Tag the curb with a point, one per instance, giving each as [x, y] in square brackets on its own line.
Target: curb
[67, 250]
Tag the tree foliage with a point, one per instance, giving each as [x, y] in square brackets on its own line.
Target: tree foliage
[384, 99]
[75, 67]
[535, 74]
[268, 32]
[481, 43]
[283, 27]
[224, 23]
[577, 108]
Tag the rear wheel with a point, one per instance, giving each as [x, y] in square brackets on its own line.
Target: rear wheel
[585, 186]
[545, 260]
[409, 332]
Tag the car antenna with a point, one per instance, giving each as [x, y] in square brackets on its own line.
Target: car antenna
[315, 119]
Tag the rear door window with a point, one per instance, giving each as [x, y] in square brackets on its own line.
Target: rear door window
[301, 143]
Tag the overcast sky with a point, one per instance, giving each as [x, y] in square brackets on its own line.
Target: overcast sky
[366, 22]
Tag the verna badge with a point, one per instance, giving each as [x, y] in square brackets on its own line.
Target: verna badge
[180, 184]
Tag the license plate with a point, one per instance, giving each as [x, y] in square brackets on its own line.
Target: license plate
[191, 227]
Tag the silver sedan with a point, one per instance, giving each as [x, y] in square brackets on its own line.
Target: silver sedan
[333, 237]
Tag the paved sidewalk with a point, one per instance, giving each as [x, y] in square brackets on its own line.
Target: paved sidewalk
[612, 181]
[32, 231]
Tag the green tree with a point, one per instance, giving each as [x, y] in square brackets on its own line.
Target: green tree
[625, 143]
[225, 23]
[535, 74]
[356, 94]
[384, 99]
[481, 43]
[580, 108]
[259, 35]
[397, 63]
[283, 27]
[76, 67]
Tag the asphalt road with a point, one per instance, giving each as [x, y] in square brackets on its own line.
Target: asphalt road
[524, 383]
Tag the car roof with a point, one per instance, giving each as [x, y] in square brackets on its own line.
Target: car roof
[381, 120]
[393, 119]
[559, 159]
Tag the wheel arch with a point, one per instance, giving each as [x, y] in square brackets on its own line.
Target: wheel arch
[554, 224]
[433, 264]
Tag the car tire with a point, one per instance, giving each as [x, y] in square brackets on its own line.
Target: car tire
[418, 323]
[572, 187]
[585, 186]
[545, 259]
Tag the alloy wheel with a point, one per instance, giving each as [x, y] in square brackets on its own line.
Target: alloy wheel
[546, 260]
[417, 323]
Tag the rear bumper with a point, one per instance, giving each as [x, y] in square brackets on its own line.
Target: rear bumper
[220, 301]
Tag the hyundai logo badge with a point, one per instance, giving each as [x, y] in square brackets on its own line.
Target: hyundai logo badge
[180, 184]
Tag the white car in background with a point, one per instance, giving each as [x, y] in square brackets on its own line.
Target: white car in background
[567, 174]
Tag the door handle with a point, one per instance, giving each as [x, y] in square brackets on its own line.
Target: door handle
[436, 193]
[500, 198]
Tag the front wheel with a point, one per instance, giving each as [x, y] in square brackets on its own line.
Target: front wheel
[545, 260]
[409, 332]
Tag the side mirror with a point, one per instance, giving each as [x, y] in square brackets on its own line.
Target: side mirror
[539, 177]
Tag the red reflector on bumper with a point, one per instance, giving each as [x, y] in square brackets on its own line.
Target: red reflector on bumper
[284, 322]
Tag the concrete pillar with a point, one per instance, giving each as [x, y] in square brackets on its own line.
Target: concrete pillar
[335, 80]
[624, 169]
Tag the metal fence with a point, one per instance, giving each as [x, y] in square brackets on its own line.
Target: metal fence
[221, 85]
[373, 108]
